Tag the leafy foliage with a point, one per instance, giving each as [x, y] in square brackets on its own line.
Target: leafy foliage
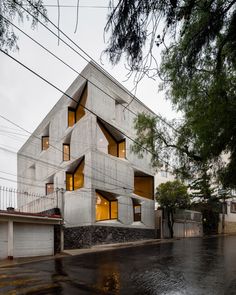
[15, 9]
[172, 195]
[198, 70]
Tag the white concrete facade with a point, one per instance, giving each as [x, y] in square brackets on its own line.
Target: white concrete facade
[102, 171]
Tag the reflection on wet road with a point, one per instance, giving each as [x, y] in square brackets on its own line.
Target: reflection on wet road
[184, 267]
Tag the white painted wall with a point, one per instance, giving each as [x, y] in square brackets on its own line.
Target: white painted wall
[33, 240]
[3, 240]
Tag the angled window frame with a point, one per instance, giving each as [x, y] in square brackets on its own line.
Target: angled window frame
[71, 175]
[110, 206]
[74, 110]
[117, 142]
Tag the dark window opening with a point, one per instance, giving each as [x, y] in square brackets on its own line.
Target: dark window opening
[137, 210]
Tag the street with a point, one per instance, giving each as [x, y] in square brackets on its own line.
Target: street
[187, 266]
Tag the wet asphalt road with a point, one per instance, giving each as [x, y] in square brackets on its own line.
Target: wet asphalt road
[190, 266]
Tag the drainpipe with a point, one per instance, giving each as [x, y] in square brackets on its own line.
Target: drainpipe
[62, 193]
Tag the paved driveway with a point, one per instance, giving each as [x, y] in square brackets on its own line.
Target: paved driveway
[190, 266]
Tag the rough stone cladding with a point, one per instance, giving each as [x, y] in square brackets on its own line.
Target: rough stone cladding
[87, 236]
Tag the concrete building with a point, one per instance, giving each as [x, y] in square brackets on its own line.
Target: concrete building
[84, 147]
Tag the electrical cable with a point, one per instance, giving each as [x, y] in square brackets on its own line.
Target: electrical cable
[94, 64]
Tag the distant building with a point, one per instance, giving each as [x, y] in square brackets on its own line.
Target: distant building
[230, 215]
[84, 147]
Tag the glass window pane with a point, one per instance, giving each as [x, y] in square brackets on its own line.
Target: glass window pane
[137, 212]
[79, 176]
[49, 188]
[45, 142]
[114, 209]
[122, 149]
[66, 152]
[71, 117]
[144, 186]
[69, 182]
[102, 208]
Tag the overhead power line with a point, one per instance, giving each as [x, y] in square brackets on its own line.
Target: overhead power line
[70, 97]
[46, 164]
[95, 65]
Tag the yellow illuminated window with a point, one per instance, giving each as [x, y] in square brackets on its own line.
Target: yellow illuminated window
[74, 115]
[49, 188]
[66, 152]
[79, 176]
[45, 142]
[69, 181]
[71, 117]
[105, 209]
[114, 209]
[144, 186]
[80, 110]
[122, 149]
[75, 180]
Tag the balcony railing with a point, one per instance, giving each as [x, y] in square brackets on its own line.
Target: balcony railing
[21, 201]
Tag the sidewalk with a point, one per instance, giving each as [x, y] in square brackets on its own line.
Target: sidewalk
[107, 247]
[74, 252]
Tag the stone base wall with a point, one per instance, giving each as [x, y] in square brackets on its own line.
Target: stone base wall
[87, 236]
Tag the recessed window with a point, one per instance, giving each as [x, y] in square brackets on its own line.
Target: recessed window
[144, 185]
[137, 210]
[49, 188]
[75, 114]
[71, 117]
[105, 208]
[66, 152]
[45, 142]
[233, 207]
[108, 143]
[75, 180]
[121, 149]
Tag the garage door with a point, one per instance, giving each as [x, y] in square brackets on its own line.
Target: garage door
[33, 240]
[3, 240]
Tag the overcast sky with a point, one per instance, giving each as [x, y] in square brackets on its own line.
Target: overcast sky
[25, 99]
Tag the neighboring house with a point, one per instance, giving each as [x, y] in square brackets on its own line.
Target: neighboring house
[109, 191]
[187, 224]
[230, 216]
[28, 234]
